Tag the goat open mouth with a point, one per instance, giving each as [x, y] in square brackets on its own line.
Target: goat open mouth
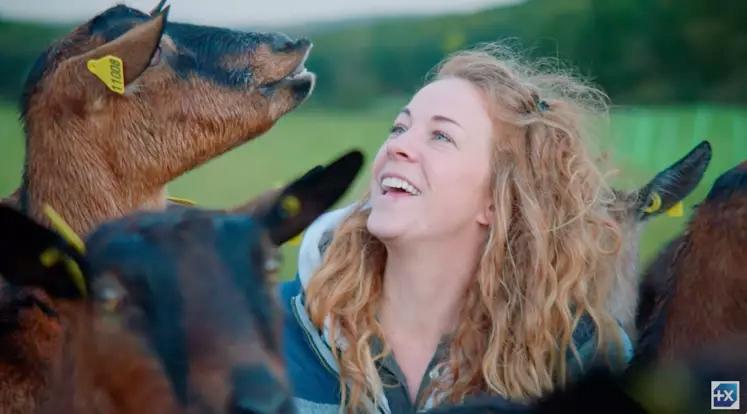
[300, 75]
[298, 78]
[300, 70]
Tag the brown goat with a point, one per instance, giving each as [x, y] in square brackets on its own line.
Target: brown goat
[180, 314]
[191, 93]
[697, 292]
[94, 154]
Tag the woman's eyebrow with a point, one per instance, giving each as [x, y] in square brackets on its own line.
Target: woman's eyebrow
[446, 119]
[442, 118]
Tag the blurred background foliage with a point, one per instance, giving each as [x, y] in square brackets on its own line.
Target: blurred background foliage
[640, 51]
[676, 72]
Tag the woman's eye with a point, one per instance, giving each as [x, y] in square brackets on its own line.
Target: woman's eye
[440, 136]
[396, 130]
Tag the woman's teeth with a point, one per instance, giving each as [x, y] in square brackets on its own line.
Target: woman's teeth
[394, 183]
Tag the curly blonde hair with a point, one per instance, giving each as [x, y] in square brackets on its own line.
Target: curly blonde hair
[549, 258]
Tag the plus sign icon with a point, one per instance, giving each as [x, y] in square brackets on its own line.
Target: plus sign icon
[724, 395]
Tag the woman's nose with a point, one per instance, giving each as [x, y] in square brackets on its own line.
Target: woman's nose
[402, 148]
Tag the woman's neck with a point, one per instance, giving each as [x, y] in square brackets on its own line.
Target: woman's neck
[424, 286]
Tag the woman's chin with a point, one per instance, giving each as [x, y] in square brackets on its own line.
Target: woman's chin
[386, 228]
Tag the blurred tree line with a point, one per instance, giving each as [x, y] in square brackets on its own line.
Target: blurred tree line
[639, 51]
[20, 44]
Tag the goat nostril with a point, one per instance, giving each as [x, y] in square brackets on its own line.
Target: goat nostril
[282, 43]
[249, 405]
[256, 390]
[287, 46]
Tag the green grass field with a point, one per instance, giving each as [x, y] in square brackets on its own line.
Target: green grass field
[642, 141]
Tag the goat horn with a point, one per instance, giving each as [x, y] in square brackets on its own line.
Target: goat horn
[157, 9]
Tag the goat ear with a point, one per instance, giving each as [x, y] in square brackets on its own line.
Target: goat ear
[158, 8]
[119, 62]
[297, 205]
[260, 206]
[32, 255]
[674, 183]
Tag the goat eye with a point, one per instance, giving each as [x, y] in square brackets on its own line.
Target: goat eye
[109, 293]
[653, 204]
[112, 305]
[156, 59]
[272, 263]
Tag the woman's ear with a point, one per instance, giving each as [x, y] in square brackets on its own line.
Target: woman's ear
[486, 217]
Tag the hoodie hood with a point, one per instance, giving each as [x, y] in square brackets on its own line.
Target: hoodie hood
[316, 239]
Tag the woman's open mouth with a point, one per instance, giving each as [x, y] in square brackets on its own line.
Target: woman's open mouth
[397, 186]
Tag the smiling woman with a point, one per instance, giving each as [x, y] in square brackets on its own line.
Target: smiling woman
[478, 263]
[441, 140]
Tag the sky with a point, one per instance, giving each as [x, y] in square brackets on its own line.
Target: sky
[241, 12]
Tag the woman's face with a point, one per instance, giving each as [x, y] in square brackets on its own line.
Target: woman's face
[431, 176]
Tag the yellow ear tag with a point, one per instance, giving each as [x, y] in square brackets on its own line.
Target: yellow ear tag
[295, 241]
[291, 205]
[110, 70]
[677, 210]
[655, 203]
[52, 256]
[77, 275]
[60, 225]
[182, 201]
